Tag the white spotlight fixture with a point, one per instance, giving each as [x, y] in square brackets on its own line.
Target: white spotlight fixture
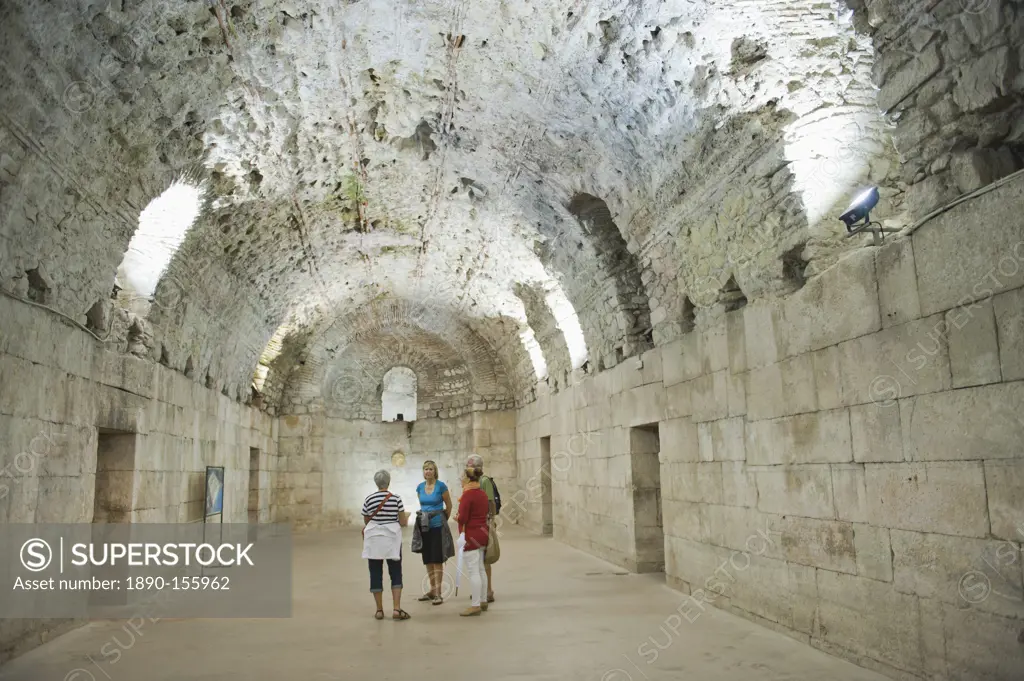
[857, 217]
[859, 210]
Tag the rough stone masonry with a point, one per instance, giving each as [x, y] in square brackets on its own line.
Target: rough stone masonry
[607, 222]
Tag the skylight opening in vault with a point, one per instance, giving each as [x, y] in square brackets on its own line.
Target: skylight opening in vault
[163, 225]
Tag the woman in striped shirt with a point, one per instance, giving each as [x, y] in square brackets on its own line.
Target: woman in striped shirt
[383, 518]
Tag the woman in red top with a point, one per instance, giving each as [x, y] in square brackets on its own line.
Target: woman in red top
[473, 511]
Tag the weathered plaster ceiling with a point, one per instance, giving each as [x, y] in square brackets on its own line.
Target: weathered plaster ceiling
[431, 152]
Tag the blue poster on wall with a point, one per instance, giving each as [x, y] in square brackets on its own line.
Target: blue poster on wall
[214, 490]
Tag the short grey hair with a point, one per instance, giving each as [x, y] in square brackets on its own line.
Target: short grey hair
[475, 461]
[382, 479]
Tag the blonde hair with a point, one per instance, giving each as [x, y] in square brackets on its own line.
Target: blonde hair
[433, 465]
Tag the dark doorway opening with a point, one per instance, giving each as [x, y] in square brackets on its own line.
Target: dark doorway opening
[547, 525]
[254, 492]
[113, 505]
[645, 466]
[115, 477]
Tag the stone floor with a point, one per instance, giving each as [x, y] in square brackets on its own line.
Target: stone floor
[560, 615]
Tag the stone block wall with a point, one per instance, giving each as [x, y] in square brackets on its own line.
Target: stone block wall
[533, 422]
[589, 471]
[494, 438]
[326, 465]
[843, 464]
[62, 394]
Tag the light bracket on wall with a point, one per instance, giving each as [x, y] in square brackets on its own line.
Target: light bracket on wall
[875, 228]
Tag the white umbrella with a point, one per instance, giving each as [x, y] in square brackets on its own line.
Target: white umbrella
[460, 545]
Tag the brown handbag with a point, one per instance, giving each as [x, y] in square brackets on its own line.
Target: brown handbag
[493, 552]
[376, 512]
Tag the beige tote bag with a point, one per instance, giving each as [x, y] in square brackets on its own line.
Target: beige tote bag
[493, 552]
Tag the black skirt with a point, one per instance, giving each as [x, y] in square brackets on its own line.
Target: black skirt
[433, 546]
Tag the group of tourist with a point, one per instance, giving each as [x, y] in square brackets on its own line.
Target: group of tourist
[384, 516]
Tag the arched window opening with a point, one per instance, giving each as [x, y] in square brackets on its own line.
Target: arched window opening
[569, 323]
[620, 266]
[270, 353]
[162, 228]
[398, 401]
[540, 365]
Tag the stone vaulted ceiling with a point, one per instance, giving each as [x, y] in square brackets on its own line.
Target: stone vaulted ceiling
[636, 157]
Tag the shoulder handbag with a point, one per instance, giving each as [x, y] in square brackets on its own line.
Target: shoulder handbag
[376, 512]
[417, 534]
[493, 552]
[447, 542]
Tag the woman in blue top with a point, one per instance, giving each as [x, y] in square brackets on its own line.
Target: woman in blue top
[437, 503]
